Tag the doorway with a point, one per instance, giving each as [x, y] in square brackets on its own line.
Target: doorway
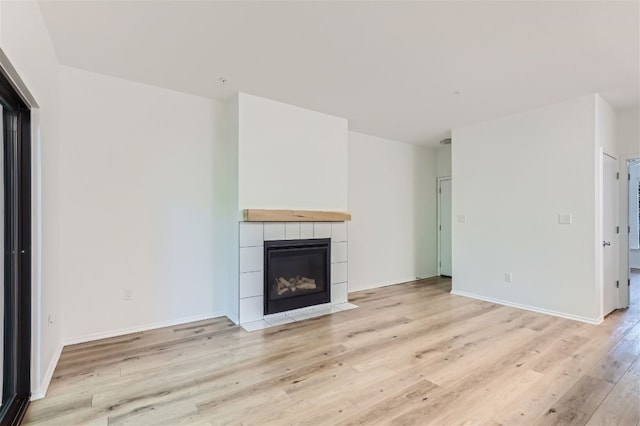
[444, 227]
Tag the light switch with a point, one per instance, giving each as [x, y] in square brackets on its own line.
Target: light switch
[565, 218]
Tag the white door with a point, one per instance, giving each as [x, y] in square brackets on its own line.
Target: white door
[444, 226]
[609, 234]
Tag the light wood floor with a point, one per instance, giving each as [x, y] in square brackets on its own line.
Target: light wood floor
[411, 354]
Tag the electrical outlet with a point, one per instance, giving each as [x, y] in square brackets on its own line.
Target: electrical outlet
[508, 277]
[127, 294]
[565, 219]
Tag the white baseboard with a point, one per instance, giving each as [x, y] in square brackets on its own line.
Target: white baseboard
[594, 321]
[46, 380]
[386, 283]
[233, 319]
[427, 277]
[146, 327]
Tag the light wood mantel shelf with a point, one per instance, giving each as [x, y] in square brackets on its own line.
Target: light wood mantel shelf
[258, 215]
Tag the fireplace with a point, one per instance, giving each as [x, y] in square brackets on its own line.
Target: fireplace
[254, 236]
[297, 273]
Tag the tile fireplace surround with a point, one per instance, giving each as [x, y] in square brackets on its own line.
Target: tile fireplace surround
[251, 246]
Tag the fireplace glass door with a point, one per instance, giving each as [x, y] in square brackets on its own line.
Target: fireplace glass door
[297, 274]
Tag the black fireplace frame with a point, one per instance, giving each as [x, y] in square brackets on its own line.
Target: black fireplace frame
[273, 306]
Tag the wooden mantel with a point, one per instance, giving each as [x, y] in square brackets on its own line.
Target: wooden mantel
[258, 215]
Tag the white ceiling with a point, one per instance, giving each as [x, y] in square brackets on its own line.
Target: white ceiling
[391, 68]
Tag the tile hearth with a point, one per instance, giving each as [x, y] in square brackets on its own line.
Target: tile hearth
[297, 315]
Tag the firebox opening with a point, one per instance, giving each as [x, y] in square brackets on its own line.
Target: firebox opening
[297, 273]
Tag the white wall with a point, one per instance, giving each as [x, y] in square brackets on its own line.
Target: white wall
[392, 198]
[25, 41]
[138, 165]
[513, 176]
[443, 161]
[606, 127]
[628, 133]
[290, 157]
[227, 215]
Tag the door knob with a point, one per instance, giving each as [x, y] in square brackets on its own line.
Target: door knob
[606, 243]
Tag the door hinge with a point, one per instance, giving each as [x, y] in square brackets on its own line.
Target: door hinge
[617, 175]
[628, 282]
[617, 229]
[439, 190]
[440, 227]
[628, 176]
[617, 284]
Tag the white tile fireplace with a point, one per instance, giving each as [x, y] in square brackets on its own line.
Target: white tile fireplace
[252, 236]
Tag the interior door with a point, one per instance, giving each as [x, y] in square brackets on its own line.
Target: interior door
[610, 234]
[444, 226]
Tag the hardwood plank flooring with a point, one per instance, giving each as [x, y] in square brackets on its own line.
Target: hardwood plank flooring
[412, 354]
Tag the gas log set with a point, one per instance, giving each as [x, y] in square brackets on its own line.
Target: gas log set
[293, 284]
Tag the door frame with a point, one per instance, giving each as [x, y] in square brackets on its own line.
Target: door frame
[625, 252]
[439, 181]
[615, 240]
[18, 332]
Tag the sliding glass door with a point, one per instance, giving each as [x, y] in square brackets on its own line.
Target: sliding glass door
[15, 265]
[2, 317]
